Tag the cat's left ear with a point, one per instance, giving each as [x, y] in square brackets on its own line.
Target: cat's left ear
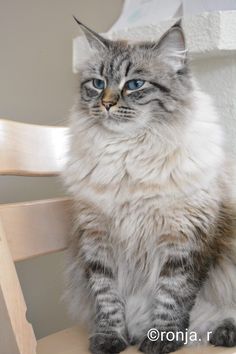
[172, 47]
[95, 41]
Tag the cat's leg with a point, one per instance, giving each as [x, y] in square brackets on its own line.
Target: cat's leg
[109, 332]
[180, 280]
[213, 316]
[97, 258]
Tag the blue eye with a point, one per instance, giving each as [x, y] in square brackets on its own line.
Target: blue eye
[99, 84]
[134, 84]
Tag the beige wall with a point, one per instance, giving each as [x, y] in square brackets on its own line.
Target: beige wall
[37, 85]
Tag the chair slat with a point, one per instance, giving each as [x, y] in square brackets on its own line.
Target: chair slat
[31, 150]
[36, 228]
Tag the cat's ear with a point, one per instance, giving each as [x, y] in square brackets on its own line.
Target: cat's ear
[95, 41]
[172, 47]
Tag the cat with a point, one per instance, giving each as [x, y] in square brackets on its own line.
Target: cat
[153, 242]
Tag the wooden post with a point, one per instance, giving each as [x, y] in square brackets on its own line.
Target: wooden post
[16, 334]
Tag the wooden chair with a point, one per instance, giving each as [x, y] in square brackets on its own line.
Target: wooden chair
[30, 229]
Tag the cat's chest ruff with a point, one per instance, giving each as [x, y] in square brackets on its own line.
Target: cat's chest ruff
[111, 178]
[111, 173]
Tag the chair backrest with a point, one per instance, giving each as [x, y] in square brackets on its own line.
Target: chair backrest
[27, 229]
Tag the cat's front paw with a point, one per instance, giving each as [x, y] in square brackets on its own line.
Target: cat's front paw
[160, 346]
[225, 334]
[107, 343]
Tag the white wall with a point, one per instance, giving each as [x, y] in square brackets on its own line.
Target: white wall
[37, 85]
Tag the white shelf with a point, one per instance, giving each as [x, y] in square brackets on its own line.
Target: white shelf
[207, 35]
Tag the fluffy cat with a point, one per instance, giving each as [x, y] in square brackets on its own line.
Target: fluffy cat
[153, 243]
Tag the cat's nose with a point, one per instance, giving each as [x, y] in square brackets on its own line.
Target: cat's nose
[108, 105]
[109, 98]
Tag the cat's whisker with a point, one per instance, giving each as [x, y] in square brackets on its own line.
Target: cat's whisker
[122, 117]
[127, 108]
[126, 114]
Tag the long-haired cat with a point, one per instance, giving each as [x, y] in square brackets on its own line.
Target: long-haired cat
[153, 243]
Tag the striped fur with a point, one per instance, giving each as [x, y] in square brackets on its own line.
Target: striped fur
[153, 242]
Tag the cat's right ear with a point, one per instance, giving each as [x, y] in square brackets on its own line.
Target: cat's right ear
[172, 47]
[94, 40]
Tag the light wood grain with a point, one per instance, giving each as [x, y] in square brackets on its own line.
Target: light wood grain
[75, 341]
[31, 150]
[16, 334]
[36, 228]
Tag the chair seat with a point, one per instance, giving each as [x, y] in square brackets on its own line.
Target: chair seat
[75, 341]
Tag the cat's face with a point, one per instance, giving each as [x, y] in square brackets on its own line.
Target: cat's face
[126, 87]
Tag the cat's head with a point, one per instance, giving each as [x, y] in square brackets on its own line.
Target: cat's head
[126, 87]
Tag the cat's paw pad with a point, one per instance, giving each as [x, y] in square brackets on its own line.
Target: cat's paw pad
[159, 347]
[107, 343]
[225, 334]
